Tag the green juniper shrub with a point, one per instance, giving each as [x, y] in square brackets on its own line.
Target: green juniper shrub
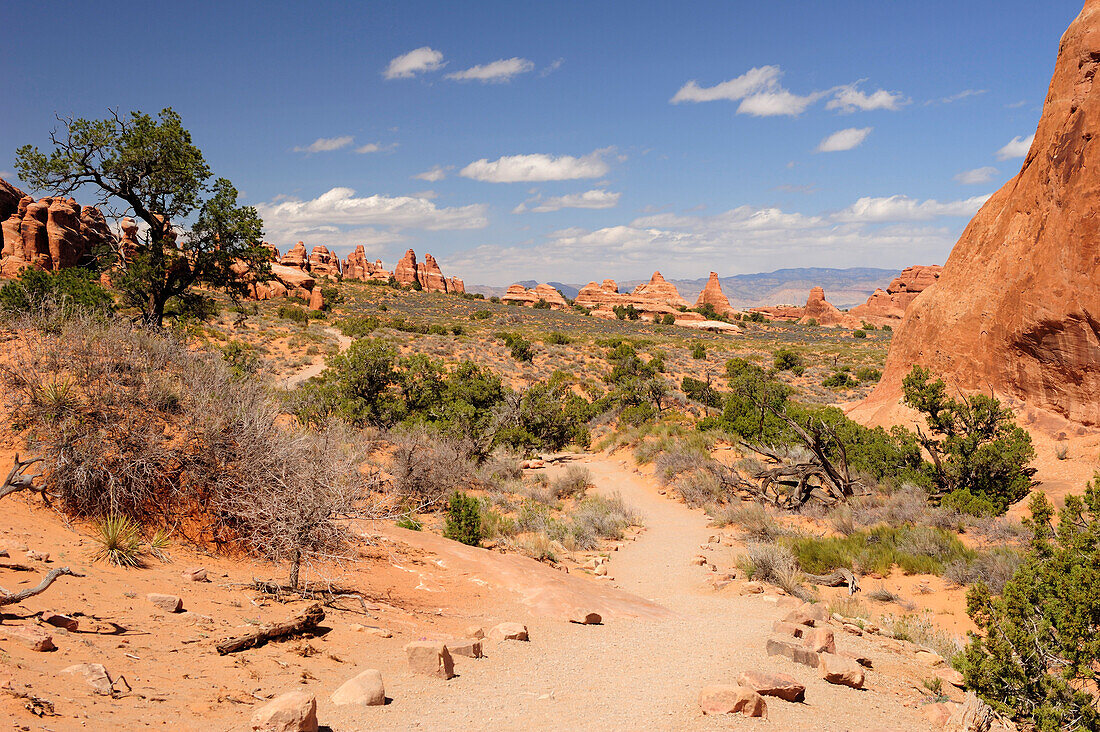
[977, 446]
[458, 330]
[542, 305]
[481, 314]
[868, 373]
[751, 385]
[519, 346]
[357, 326]
[839, 380]
[462, 520]
[755, 317]
[293, 313]
[812, 322]
[1036, 651]
[627, 312]
[70, 290]
[701, 391]
[859, 334]
[788, 360]
[332, 296]
[668, 319]
[494, 299]
[557, 339]
[698, 350]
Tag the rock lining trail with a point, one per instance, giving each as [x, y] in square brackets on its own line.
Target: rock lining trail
[635, 674]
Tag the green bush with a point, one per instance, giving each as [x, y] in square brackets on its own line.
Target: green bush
[1037, 648]
[482, 314]
[518, 346]
[788, 360]
[838, 380]
[462, 521]
[698, 350]
[668, 319]
[859, 334]
[627, 312]
[913, 549]
[357, 326]
[69, 290]
[410, 522]
[542, 305]
[294, 313]
[868, 373]
[557, 339]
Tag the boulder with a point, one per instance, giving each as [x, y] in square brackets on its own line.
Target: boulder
[792, 629]
[194, 574]
[951, 676]
[793, 651]
[316, 299]
[475, 631]
[94, 674]
[468, 647]
[1014, 310]
[809, 614]
[167, 603]
[819, 640]
[365, 690]
[732, 699]
[430, 658]
[295, 711]
[60, 621]
[31, 636]
[783, 686]
[509, 631]
[840, 670]
[585, 617]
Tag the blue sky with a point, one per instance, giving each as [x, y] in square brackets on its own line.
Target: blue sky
[574, 140]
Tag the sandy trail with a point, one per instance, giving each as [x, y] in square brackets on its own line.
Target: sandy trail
[633, 674]
[315, 369]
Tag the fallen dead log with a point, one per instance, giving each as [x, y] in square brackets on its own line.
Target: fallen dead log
[836, 578]
[302, 622]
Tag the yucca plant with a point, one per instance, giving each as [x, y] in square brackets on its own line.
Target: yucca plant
[119, 540]
[158, 545]
[56, 400]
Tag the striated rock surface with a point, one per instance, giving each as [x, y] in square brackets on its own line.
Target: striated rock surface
[357, 267]
[824, 313]
[529, 298]
[712, 295]
[405, 272]
[9, 198]
[323, 263]
[654, 299]
[887, 307]
[51, 233]
[429, 275]
[1016, 310]
[660, 291]
[296, 257]
[456, 285]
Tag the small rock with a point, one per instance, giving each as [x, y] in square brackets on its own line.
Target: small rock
[509, 631]
[29, 635]
[581, 617]
[371, 630]
[840, 670]
[820, 640]
[699, 561]
[591, 564]
[475, 631]
[797, 653]
[753, 588]
[853, 629]
[38, 556]
[95, 674]
[600, 571]
[365, 690]
[731, 699]
[194, 574]
[168, 603]
[784, 628]
[430, 658]
[951, 676]
[715, 539]
[468, 647]
[60, 621]
[783, 686]
[295, 711]
[928, 658]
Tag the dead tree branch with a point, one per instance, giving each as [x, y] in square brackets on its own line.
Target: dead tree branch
[12, 598]
[303, 622]
[20, 480]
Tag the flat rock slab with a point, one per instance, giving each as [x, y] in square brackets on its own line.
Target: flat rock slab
[167, 603]
[509, 631]
[365, 690]
[783, 686]
[468, 647]
[840, 670]
[295, 711]
[793, 651]
[31, 636]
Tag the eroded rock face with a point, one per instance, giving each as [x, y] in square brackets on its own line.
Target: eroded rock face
[429, 275]
[887, 307]
[1016, 309]
[712, 295]
[660, 291]
[323, 263]
[296, 257]
[51, 233]
[653, 299]
[825, 313]
[405, 271]
[530, 298]
[357, 267]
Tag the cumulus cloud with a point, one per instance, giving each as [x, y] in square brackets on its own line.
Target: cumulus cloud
[1017, 147]
[976, 176]
[904, 208]
[536, 168]
[778, 102]
[326, 144]
[337, 216]
[844, 139]
[497, 71]
[849, 98]
[594, 199]
[373, 147]
[418, 61]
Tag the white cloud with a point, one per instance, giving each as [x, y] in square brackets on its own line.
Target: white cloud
[552, 67]
[593, 199]
[776, 103]
[498, 71]
[536, 168]
[434, 175]
[752, 81]
[956, 97]
[340, 207]
[373, 147]
[850, 99]
[903, 208]
[975, 176]
[417, 61]
[326, 144]
[1017, 147]
[844, 139]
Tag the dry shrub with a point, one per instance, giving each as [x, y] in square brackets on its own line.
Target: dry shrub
[426, 466]
[753, 519]
[993, 568]
[572, 483]
[774, 564]
[700, 479]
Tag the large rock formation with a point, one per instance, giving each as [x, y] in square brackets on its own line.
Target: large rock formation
[323, 263]
[530, 298]
[405, 271]
[51, 233]
[660, 291]
[712, 295]
[429, 275]
[1016, 310]
[822, 312]
[296, 256]
[887, 307]
[656, 298]
[357, 267]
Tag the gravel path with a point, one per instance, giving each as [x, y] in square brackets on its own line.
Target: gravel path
[632, 675]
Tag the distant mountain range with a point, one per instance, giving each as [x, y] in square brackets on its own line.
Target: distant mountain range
[844, 288]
